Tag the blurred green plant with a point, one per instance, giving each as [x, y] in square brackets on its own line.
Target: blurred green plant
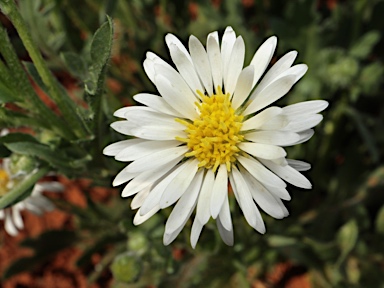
[335, 232]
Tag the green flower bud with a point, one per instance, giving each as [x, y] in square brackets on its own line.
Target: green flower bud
[21, 164]
[126, 267]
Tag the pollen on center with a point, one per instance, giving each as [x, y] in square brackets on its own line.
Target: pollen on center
[212, 138]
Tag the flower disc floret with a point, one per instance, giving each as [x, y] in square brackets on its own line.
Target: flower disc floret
[212, 138]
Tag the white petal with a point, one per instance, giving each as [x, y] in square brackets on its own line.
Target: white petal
[51, 186]
[17, 219]
[179, 184]
[144, 148]
[279, 192]
[289, 174]
[299, 165]
[219, 191]
[123, 127]
[226, 235]
[257, 121]
[140, 197]
[139, 219]
[246, 203]
[155, 195]
[185, 68]
[147, 178]
[8, 224]
[125, 110]
[157, 132]
[228, 40]
[156, 103]
[123, 176]
[261, 173]
[235, 65]
[171, 39]
[152, 118]
[149, 69]
[273, 137]
[304, 123]
[156, 160]
[195, 232]
[184, 207]
[304, 108]
[279, 67]
[264, 199]
[262, 57]
[201, 62]
[214, 55]
[175, 95]
[225, 215]
[270, 94]
[264, 151]
[243, 87]
[203, 212]
[114, 148]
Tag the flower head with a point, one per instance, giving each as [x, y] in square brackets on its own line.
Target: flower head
[36, 203]
[210, 126]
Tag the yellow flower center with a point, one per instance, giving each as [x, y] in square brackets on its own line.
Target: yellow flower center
[212, 138]
[4, 180]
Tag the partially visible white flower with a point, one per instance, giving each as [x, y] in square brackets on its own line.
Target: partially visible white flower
[213, 126]
[36, 203]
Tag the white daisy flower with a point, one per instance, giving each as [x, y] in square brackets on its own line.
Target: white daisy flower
[36, 203]
[210, 126]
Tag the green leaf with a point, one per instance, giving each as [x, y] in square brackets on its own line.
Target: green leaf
[6, 95]
[365, 44]
[347, 237]
[379, 225]
[75, 64]
[12, 137]
[43, 152]
[46, 245]
[100, 52]
[281, 241]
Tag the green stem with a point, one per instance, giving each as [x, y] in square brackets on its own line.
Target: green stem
[21, 187]
[65, 104]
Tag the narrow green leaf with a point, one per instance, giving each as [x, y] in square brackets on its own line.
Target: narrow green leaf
[43, 152]
[21, 190]
[365, 44]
